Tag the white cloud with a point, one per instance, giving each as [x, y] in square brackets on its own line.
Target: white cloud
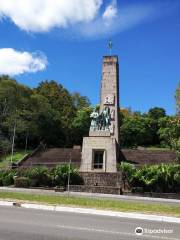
[77, 18]
[14, 62]
[43, 15]
[111, 11]
[117, 20]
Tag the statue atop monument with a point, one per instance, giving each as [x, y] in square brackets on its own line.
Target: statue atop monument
[102, 121]
[95, 120]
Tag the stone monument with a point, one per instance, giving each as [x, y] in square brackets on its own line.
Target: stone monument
[100, 150]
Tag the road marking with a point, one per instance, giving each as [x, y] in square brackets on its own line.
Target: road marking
[113, 232]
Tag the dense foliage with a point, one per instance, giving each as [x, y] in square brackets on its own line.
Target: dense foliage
[48, 113]
[177, 97]
[155, 178]
[40, 177]
[154, 128]
[51, 115]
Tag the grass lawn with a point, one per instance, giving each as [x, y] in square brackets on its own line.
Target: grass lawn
[125, 206]
[154, 148]
[5, 161]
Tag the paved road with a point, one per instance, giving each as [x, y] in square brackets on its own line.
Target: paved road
[25, 224]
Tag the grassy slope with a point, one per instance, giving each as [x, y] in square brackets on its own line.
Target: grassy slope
[152, 208]
[5, 161]
[157, 149]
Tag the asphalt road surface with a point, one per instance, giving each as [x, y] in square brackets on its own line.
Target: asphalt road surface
[27, 224]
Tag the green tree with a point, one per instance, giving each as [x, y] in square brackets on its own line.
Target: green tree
[59, 99]
[79, 101]
[169, 133]
[62, 112]
[14, 99]
[81, 125]
[156, 113]
[135, 131]
[177, 97]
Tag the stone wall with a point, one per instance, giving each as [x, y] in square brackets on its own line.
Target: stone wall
[102, 179]
[95, 189]
[109, 183]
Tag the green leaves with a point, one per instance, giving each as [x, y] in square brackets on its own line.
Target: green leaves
[155, 178]
[169, 132]
[135, 131]
[42, 176]
[177, 97]
[48, 113]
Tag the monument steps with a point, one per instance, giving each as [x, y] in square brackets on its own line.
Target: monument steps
[54, 156]
[148, 157]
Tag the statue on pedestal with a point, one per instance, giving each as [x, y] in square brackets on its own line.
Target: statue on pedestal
[100, 121]
[94, 122]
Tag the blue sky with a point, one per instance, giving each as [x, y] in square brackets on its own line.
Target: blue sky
[66, 42]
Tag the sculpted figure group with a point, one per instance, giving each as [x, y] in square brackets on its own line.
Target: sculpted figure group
[100, 121]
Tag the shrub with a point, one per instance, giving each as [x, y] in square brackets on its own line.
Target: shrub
[154, 178]
[128, 171]
[7, 177]
[60, 175]
[21, 182]
[137, 190]
[39, 176]
[76, 179]
[1, 182]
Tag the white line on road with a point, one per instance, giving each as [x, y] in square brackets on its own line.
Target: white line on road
[113, 232]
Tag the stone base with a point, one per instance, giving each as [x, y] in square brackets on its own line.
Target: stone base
[110, 183]
[102, 179]
[95, 189]
[99, 133]
[92, 144]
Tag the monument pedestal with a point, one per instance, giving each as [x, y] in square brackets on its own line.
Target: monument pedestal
[99, 154]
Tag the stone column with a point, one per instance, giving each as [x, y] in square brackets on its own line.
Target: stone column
[100, 150]
[110, 92]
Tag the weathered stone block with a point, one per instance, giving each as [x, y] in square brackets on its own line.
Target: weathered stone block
[108, 145]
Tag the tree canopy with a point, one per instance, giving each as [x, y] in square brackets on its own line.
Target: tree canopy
[177, 97]
[51, 114]
[48, 113]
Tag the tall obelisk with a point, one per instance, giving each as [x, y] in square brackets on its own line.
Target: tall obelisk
[100, 150]
[110, 92]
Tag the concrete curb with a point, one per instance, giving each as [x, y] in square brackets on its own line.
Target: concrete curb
[91, 211]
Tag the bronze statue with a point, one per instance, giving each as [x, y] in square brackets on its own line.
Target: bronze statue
[100, 121]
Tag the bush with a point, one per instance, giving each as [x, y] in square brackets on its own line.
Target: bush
[155, 178]
[76, 179]
[60, 175]
[1, 182]
[137, 190]
[21, 182]
[7, 177]
[40, 177]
